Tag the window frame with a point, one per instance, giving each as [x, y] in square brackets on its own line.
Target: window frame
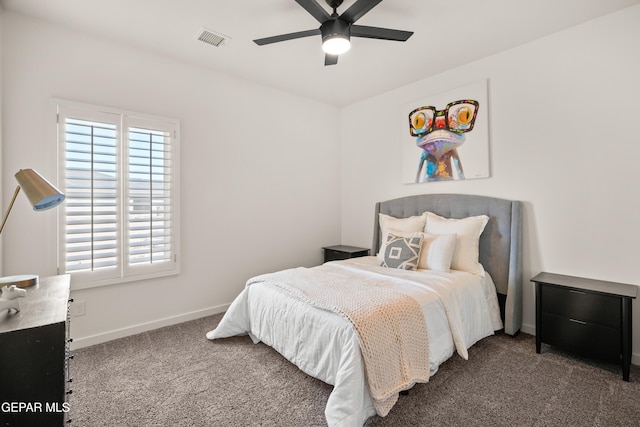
[123, 272]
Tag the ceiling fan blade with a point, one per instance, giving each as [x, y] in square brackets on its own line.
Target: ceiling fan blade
[315, 10]
[380, 33]
[358, 10]
[284, 37]
[330, 59]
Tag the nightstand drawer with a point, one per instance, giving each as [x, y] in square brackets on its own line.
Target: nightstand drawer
[579, 337]
[339, 252]
[577, 304]
[332, 255]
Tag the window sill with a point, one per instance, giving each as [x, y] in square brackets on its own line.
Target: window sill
[77, 285]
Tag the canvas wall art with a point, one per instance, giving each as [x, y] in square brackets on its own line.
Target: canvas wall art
[445, 137]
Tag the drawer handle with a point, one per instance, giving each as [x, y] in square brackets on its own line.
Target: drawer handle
[578, 321]
[577, 292]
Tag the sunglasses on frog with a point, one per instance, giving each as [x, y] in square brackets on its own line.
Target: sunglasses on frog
[458, 117]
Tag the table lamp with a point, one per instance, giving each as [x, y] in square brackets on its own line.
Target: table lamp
[42, 195]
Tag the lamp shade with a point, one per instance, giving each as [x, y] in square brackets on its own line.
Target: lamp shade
[40, 192]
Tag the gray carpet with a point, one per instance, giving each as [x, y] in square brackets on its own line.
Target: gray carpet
[175, 377]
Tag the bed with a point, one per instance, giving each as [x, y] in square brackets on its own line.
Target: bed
[458, 307]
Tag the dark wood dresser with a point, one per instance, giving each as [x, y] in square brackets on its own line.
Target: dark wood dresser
[589, 317]
[34, 357]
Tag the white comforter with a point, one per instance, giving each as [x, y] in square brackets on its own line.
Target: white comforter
[459, 308]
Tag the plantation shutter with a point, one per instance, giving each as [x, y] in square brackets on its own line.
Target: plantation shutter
[91, 188]
[119, 177]
[150, 198]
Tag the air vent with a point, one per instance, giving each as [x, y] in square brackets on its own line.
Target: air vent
[212, 38]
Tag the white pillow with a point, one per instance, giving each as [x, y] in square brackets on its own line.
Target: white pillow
[467, 231]
[398, 226]
[437, 252]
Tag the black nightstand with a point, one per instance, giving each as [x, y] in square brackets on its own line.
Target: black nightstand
[334, 253]
[585, 316]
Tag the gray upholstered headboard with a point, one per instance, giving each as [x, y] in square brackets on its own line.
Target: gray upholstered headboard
[500, 242]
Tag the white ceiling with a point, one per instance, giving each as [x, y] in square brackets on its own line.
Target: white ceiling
[447, 34]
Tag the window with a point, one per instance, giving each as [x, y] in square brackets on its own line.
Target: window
[119, 172]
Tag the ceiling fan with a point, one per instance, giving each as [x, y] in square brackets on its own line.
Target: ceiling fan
[336, 30]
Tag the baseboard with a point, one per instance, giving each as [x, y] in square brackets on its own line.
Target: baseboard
[528, 329]
[144, 327]
[531, 330]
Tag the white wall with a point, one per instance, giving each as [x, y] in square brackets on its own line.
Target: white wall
[259, 191]
[564, 139]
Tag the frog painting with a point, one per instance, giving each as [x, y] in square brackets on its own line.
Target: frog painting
[439, 133]
[447, 137]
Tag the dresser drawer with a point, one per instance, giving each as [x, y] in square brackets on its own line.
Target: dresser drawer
[578, 337]
[583, 306]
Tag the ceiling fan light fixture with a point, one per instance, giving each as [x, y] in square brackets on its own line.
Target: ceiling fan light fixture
[335, 37]
[336, 29]
[336, 45]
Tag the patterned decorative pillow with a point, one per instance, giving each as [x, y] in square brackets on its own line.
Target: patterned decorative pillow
[402, 252]
[399, 227]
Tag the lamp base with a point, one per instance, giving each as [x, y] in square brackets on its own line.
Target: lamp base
[22, 281]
